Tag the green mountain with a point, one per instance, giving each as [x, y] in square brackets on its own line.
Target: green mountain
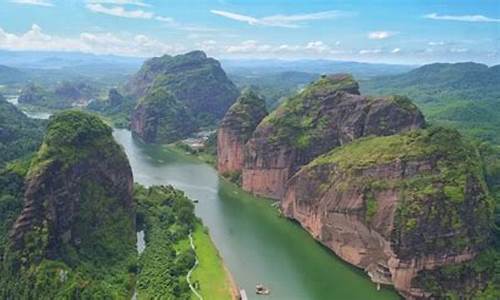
[74, 237]
[19, 135]
[196, 81]
[10, 75]
[462, 95]
[64, 95]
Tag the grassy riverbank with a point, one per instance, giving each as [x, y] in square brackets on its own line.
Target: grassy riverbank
[210, 277]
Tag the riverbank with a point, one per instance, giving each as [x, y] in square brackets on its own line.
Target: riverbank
[211, 277]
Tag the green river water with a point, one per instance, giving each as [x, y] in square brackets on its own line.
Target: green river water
[256, 244]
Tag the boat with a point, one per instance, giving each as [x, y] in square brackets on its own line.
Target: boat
[261, 290]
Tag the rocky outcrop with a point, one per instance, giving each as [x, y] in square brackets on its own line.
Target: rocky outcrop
[196, 81]
[327, 114]
[395, 205]
[160, 118]
[236, 128]
[78, 197]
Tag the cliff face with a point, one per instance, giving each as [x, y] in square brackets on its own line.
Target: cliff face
[395, 205]
[327, 114]
[78, 201]
[160, 118]
[236, 128]
[196, 81]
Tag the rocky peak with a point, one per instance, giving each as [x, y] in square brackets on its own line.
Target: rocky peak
[236, 128]
[78, 194]
[395, 205]
[326, 114]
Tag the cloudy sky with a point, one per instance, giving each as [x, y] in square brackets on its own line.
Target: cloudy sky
[402, 31]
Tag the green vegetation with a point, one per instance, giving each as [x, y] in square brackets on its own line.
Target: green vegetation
[294, 119]
[197, 82]
[19, 135]
[101, 262]
[116, 107]
[166, 119]
[210, 277]
[454, 180]
[62, 95]
[245, 114]
[167, 216]
[463, 95]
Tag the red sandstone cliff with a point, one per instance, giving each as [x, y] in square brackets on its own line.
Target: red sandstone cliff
[236, 128]
[327, 114]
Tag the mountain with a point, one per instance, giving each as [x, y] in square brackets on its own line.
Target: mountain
[64, 95]
[462, 95]
[411, 205]
[274, 87]
[10, 75]
[196, 82]
[397, 205]
[160, 118]
[235, 130]
[326, 114]
[19, 135]
[257, 67]
[75, 235]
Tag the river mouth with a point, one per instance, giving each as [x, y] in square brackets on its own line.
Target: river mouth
[257, 245]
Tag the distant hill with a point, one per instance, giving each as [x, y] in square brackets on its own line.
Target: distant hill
[461, 95]
[194, 80]
[257, 67]
[274, 87]
[10, 75]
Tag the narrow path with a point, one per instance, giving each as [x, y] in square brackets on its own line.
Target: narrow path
[196, 262]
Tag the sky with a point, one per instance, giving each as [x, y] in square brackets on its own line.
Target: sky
[388, 31]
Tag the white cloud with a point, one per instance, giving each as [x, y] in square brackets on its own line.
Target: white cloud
[119, 11]
[396, 50]
[380, 35]
[121, 2]
[287, 21]
[164, 19]
[440, 43]
[46, 3]
[317, 46]
[462, 18]
[459, 50]
[88, 42]
[255, 48]
[370, 51]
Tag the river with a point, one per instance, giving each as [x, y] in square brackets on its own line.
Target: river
[256, 244]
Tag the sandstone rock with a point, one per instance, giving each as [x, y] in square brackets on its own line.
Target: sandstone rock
[236, 128]
[327, 114]
[395, 205]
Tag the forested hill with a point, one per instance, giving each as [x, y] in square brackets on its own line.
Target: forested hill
[462, 95]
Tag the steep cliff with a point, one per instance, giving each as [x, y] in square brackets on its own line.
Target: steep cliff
[396, 205]
[236, 128]
[161, 118]
[326, 114]
[76, 231]
[196, 81]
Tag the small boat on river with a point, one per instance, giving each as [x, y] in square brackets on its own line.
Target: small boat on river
[261, 290]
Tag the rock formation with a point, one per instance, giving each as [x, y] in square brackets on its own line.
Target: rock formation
[78, 201]
[395, 205]
[327, 114]
[236, 128]
[196, 81]
[160, 118]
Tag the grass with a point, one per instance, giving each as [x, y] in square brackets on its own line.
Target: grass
[211, 277]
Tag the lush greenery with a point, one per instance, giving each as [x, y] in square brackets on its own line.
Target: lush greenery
[294, 120]
[19, 135]
[166, 119]
[463, 95]
[102, 263]
[197, 82]
[167, 216]
[115, 107]
[63, 95]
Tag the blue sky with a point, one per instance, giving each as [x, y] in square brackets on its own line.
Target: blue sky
[375, 31]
